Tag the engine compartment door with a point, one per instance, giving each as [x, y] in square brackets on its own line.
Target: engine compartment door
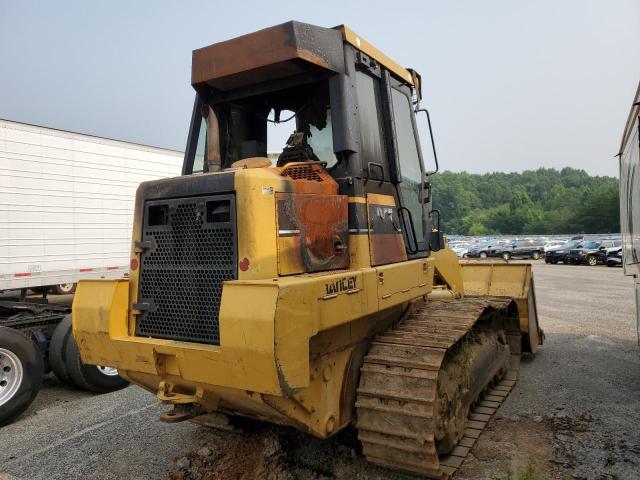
[312, 232]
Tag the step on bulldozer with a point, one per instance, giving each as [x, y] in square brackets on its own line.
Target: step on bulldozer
[311, 288]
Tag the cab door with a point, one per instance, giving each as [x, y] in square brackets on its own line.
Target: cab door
[386, 239]
[387, 195]
[410, 173]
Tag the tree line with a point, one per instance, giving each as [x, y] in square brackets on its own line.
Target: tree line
[543, 201]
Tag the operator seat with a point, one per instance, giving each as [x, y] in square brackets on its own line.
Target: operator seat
[297, 150]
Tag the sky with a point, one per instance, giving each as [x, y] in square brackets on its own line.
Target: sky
[511, 85]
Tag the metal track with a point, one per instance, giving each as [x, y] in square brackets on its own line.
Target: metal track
[399, 414]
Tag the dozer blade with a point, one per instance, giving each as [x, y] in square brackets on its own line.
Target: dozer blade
[509, 280]
[430, 384]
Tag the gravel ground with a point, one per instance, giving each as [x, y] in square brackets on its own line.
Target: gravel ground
[574, 413]
[69, 434]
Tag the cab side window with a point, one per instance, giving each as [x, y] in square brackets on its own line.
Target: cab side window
[409, 159]
[198, 160]
[196, 152]
[372, 140]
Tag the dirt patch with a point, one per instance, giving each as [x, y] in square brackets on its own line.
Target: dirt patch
[509, 449]
[548, 448]
[233, 456]
[268, 452]
[518, 448]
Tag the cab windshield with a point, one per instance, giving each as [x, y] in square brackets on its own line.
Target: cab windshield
[262, 125]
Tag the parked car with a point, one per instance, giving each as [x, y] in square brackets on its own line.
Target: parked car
[460, 249]
[606, 247]
[558, 254]
[592, 252]
[614, 258]
[484, 250]
[584, 253]
[553, 243]
[523, 249]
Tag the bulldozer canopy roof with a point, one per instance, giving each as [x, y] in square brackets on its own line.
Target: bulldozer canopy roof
[281, 51]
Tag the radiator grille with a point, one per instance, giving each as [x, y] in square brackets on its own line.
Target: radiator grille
[190, 250]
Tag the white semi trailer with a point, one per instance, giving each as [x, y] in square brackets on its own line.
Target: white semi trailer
[630, 198]
[66, 213]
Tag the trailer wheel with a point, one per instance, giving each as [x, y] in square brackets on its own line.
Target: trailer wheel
[95, 378]
[57, 350]
[64, 288]
[21, 371]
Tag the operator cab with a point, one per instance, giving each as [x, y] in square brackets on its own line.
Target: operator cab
[312, 94]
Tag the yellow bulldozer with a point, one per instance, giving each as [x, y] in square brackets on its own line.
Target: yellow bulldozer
[312, 288]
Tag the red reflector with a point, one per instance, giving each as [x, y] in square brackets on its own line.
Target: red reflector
[244, 264]
[21, 274]
[134, 264]
[86, 269]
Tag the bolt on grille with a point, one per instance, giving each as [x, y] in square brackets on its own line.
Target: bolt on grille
[189, 251]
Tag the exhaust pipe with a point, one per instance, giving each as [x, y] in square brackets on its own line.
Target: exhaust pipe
[214, 163]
